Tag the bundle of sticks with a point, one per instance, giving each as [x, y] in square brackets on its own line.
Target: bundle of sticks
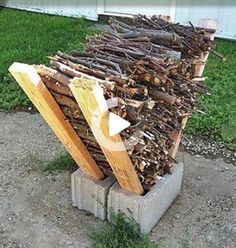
[189, 40]
[147, 70]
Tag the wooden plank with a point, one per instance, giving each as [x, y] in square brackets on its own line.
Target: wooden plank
[176, 136]
[199, 69]
[33, 86]
[205, 23]
[89, 96]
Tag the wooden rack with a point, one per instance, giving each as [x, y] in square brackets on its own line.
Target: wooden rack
[89, 96]
[199, 69]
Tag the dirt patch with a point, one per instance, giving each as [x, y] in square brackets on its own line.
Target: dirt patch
[204, 214]
[36, 211]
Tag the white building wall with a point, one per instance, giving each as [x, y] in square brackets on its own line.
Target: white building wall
[137, 7]
[223, 11]
[75, 8]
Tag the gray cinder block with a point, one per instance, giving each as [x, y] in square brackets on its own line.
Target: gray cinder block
[148, 209]
[90, 194]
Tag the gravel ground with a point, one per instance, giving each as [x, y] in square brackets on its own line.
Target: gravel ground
[209, 149]
[36, 211]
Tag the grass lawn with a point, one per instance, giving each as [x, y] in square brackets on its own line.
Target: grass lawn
[29, 37]
[220, 119]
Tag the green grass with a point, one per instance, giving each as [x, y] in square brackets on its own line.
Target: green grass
[124, 232]
[63, 162]
[30, 37]
[220, 119]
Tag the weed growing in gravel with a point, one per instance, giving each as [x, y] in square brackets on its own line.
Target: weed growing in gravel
[124, 232]
[64, 162]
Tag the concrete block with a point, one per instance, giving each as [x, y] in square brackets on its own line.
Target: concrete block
[147, 209]
[90, 194]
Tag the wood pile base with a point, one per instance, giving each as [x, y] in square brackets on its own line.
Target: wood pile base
[154, 92]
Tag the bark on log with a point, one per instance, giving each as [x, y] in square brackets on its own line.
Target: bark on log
[158, 95]
[57, 87]
[46, 71]
[155, 36]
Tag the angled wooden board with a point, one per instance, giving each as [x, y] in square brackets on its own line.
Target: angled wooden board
[33, 86]
[199, 69]
[205, 23]
[89, 96]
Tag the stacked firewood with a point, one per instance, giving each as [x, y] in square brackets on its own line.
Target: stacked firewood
[148, 68]
[189, 40]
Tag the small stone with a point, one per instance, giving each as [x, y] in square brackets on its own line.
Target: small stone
[198, 178]
[177, 216]
[198, 193]
[197, 156]
[10, 219]
[226, 168]
[54, 179]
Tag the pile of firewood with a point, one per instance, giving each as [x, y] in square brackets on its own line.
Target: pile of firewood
[189, 40]
[148, 67]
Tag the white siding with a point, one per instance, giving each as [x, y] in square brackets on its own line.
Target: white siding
[75, 8]
[137, 7]
[223, 11]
